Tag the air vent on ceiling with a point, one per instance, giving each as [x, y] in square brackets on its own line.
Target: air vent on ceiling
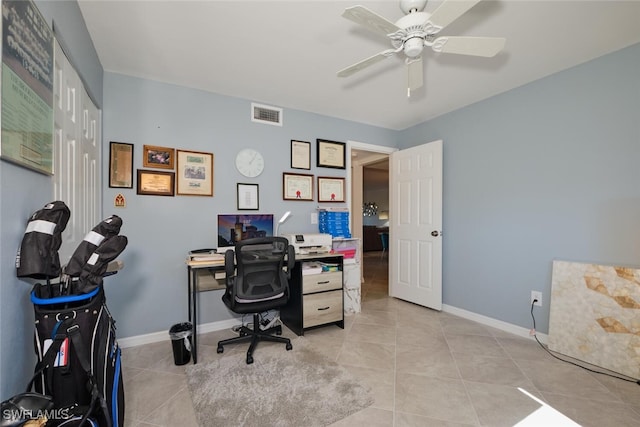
[266, 114]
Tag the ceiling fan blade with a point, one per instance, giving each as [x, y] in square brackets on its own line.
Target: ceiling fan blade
[449, 11]
[415, 71]
[374, 22]
[346, 72]
[476, 46]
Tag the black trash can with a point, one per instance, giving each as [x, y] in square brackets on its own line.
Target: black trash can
[180, 334]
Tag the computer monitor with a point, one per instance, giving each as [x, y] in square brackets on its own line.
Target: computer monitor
[233, 228]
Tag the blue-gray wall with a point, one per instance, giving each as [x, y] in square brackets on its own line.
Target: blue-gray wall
[150, 293]
[22, 193]
[550, 170]
[547, 171]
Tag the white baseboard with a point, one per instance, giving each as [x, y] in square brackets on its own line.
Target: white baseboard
[229, 323]
[164, 335]
[494, 323]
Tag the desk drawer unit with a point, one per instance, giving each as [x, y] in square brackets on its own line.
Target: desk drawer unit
[321, 282]
[315, 300]
[321, 308]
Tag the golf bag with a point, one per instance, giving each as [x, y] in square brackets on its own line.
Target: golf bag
[78, 355]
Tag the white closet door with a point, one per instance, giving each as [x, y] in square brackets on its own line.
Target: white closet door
[77, 152]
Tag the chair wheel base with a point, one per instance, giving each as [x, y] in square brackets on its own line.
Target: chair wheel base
[220, 349]
[289, 346]
[249, 360]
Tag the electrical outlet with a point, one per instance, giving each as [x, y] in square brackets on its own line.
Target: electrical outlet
[314, 217]
[536, 295]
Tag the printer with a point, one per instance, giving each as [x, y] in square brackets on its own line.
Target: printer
[310, 243]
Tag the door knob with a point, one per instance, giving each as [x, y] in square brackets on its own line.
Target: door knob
[435, 233]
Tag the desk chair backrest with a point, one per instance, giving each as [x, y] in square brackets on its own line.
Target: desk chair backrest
[259, 268]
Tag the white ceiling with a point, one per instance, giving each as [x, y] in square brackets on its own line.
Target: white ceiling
[286, 53]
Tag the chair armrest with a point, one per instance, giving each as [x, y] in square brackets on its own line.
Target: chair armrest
[229, 264]
[291, 260]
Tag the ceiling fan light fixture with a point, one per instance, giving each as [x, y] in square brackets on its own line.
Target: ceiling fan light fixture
[413, 47]
[409, 6]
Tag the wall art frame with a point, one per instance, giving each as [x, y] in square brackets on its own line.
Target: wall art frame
[300, 155]
[248, 197]
[155, 183]
[331, 154]
[330, 189]
[194, 170]
[120, 165]
[158, 157]
[296, 186]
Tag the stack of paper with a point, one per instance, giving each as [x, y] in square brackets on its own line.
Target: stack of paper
[206, 256]
[311, 268]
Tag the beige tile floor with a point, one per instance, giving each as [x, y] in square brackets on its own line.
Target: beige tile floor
[425, 368]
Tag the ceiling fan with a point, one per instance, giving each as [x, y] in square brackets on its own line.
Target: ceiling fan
[417, 29]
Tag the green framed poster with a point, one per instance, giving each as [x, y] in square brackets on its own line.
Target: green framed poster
[27, 87]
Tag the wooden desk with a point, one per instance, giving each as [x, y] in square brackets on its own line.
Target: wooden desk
[314, 300]
[201, 276]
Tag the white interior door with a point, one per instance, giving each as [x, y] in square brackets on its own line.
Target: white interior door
[415, 228]
[77, 153]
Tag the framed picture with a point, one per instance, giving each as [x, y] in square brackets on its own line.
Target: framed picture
[28, 82]
[331, 154]
[120, 165]
[157, 157]
[300, 155]
[297, 186]
[195, 173]
[248, 199]
[156, 183]
[330, 189]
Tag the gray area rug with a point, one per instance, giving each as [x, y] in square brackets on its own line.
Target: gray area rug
[281, 388]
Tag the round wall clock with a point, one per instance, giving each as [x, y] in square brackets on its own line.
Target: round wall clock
[249, 162]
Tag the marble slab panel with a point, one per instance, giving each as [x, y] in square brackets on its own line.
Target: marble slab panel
[595, 315]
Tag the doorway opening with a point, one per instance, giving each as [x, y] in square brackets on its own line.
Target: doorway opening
[369, 176]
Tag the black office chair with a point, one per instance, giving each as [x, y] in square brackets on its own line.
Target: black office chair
[256, 282]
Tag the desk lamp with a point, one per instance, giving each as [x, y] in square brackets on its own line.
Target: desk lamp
[283, 219]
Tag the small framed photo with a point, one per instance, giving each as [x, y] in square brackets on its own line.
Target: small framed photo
[195, 173]
[297, 186]
[248, 197]
[120, 165]
[330, 189]
[331, 154]
[156, 183]
[300, 155]
[157, 157]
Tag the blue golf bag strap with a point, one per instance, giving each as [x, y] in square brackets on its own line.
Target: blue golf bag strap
[96, 398]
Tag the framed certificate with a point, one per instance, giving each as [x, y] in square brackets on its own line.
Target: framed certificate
[330, 189]
[248, 199]
[331, 154]
[155, 183]
[297, 187]
[300, 155]
[120, 165]
[195, 173]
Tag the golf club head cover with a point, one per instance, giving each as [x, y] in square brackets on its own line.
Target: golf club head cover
[37, 256]
[96, 265]
[107, 228]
